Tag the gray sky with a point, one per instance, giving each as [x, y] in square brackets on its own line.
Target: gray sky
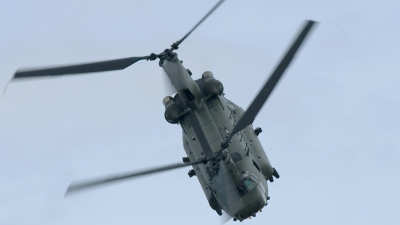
[331, 127]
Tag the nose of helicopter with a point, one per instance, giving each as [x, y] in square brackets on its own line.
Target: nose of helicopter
[254, 201]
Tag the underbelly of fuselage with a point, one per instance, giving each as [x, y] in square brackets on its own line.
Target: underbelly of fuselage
[203, 132]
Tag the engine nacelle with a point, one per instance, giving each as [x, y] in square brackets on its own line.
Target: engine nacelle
[212, 86]
[172, 110]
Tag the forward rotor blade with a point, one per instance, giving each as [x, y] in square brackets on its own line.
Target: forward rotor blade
[262, 96]
[117, 64]
[78, 186]
[176, 44]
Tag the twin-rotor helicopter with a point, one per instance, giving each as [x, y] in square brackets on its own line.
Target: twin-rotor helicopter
[221, 145]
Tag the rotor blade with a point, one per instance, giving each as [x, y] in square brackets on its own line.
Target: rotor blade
[225, 217]
[176, 44]
[78, 186]
[169, 89]
[249, 116]
[117, 64]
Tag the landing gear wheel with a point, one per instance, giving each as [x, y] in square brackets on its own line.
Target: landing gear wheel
[275, 173]
[271, 179]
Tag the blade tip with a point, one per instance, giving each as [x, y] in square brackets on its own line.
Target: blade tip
[311, 22]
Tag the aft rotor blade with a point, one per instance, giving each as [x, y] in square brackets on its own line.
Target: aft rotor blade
[262, 96]
[117, 64]
[176, 44]
[78, 186]
[225, 217]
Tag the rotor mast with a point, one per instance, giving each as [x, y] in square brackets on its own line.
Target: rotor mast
[182, 81]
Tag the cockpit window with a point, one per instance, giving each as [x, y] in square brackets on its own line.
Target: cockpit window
[248, 185]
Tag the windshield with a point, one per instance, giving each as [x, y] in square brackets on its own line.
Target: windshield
[248, 185]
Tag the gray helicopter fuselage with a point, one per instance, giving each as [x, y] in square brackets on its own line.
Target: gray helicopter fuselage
[218, 136]
[237, 184]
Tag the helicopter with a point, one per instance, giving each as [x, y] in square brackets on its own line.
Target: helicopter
[220, 142]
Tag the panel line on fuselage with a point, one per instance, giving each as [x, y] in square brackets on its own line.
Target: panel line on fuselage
[200, 135]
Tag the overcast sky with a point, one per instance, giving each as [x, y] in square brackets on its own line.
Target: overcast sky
[331, 127]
